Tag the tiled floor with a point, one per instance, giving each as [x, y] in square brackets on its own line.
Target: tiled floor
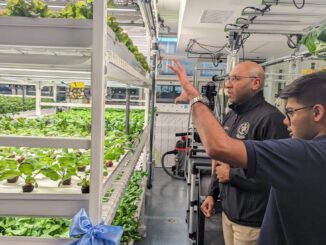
[165, 212]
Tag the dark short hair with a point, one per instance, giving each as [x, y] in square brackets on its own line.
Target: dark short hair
[308, 90]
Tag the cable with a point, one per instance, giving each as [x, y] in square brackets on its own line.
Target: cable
[296, 5]
[293, 43]
[192, 42]
[215, 55]
[245, 26]
[174, 152]
[260, 11]
[243, 40]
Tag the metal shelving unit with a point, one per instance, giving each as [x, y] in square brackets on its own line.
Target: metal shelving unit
[119, 186]
[59, 49]
[38, 45]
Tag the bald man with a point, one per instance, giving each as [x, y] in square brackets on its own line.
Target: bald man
[244, 200]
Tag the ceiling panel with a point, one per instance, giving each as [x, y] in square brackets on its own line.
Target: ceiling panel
[191, 23]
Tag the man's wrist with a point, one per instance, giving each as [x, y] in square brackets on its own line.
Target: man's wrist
[193, 95]
[199, 99]
[210, 196]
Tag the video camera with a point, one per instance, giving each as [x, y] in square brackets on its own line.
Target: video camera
[209, 90]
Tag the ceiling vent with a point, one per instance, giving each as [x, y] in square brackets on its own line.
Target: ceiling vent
[215, 16]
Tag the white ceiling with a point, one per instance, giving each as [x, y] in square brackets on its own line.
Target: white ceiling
[190, 14]
[169, 11]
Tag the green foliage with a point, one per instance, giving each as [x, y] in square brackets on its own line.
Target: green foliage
[62, 164]
[20, 8]
[83, 158]
[29, 168]
[125, 215]
[58, 165]
[315, 41]
[41, 9]
[65, 165]
[74, 123]
[35, 8]
[84, 181]
[14, 105]
[107, 195]
[8, 168]
[110, 4]
[36, 227]
[75, 10]
[50, 173]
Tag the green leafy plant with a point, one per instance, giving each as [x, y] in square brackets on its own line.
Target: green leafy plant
[20, 8]
[107, 195]
[36, 227]
[14, 105]
[62, 164]
[75, 10]
[41, 9]
[9, 169]
[29, 168]
[315, 41]
[83, 159]
[65, 166]
[84, 182]
[125, 215]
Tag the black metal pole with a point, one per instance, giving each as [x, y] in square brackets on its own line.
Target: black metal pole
[23, 94]
[151, 132]
[127, 110]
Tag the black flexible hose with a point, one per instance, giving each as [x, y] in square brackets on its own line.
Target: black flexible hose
[297, 6]
[165, 168]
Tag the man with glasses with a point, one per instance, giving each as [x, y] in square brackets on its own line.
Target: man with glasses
[295, 168]
[244, 199]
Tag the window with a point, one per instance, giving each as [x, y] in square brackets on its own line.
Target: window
[120, 93]
[167, 93]
[45, 91]
[5, 89]
[188, 64]
[167, 45]
[209, 70]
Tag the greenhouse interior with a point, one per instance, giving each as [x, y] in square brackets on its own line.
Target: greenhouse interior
[154, 122]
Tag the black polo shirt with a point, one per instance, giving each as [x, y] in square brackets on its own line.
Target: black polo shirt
[296, 170]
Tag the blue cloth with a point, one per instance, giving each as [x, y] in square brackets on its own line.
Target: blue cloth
[296, 170]
[93, 235]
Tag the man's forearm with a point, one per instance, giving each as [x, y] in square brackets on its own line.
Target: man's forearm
[217, 143]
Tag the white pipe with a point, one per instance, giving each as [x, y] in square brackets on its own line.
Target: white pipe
[285, 58]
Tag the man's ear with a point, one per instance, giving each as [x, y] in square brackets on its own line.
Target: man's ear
[256, 84]
[319, 112]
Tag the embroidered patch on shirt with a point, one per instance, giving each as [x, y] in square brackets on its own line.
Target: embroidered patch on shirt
[243, 130]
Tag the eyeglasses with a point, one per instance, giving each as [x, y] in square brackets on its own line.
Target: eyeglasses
[290, 112]
[234, 79]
